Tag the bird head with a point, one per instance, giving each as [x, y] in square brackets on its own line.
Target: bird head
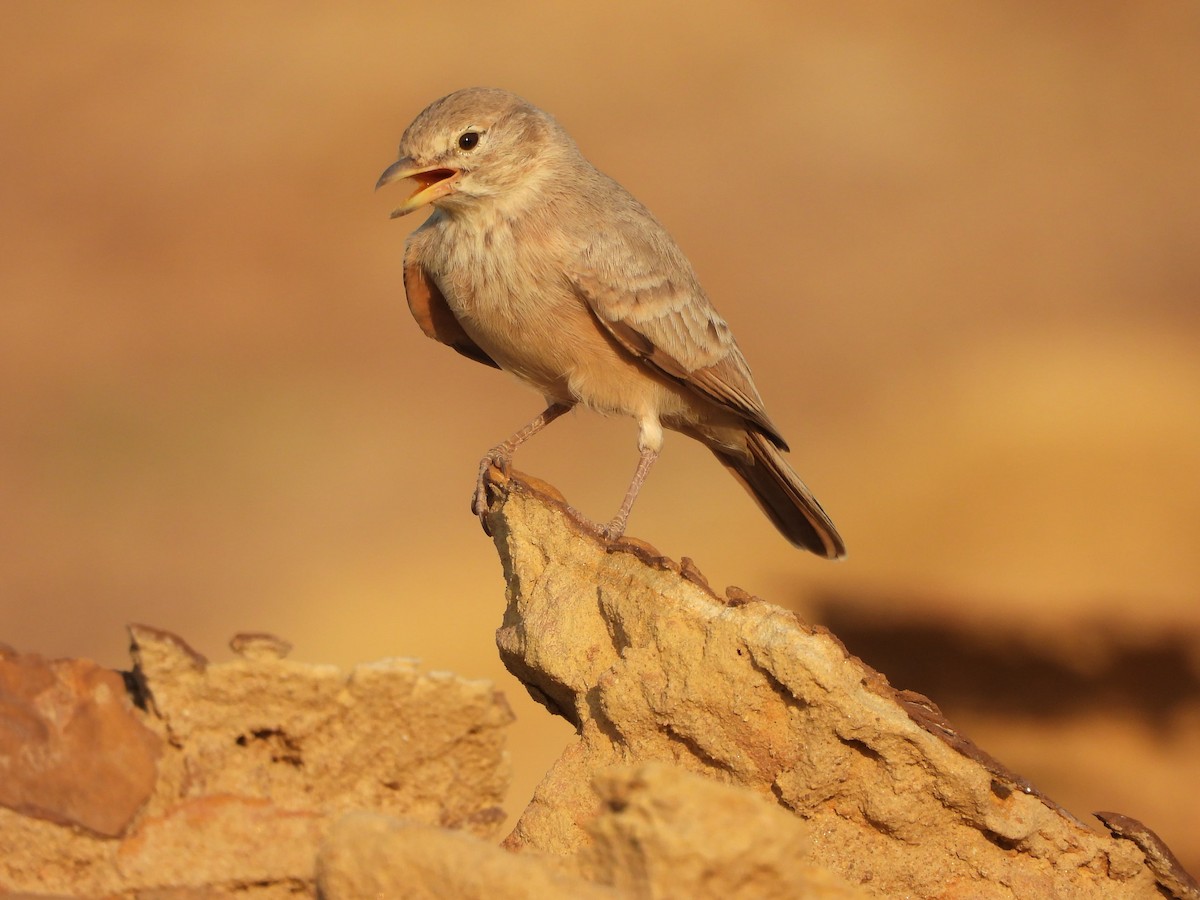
[472, 145]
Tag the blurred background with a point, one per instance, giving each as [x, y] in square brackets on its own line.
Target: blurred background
[959, 244]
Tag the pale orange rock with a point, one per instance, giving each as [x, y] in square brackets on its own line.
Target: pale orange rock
[242, 841]
[657, 832]
[725, 749]
[650, 664]
[383, 736]
[663, 832]
[371, 855]
[258, 756]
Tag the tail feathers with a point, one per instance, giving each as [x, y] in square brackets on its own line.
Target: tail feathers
[783, 497]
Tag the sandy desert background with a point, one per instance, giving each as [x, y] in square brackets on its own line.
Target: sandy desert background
[959, 244]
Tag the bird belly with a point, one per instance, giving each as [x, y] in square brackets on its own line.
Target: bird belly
[513, 301]
[558, 348]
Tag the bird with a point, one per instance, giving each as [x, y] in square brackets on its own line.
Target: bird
[536, 263]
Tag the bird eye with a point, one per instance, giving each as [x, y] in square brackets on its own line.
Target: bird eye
[468, 140]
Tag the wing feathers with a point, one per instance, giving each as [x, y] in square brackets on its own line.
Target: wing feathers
[676, 331]
[434, 315]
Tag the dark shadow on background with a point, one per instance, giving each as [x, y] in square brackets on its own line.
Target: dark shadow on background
[1095, 667]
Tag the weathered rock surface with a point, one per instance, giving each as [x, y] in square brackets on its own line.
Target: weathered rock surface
[256, 757]
[650, 664]
[724, 750]
[55, 714]
[371, 855]
[664, 832]
[657, 832]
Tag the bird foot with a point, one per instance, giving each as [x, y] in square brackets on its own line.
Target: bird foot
[500, 457]
[613, 530]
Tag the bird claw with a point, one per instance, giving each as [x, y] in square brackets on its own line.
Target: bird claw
[495, 457]
[612, 531]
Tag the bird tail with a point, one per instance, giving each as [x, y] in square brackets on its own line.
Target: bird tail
[781, 494]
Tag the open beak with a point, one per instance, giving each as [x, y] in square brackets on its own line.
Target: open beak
[432, 183]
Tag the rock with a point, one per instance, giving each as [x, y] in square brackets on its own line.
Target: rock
[256, 758]
[241, 840]
[428, 746]
[650, 664]
[659, 833]
[725, 750]
[663, 832]
[259, 645]
[72, 749]
[1171, 875]
[371, 855]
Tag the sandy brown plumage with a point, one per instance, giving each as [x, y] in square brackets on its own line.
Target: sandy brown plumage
[535, 262]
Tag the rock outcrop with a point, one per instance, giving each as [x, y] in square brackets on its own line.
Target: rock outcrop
[224, 777]
[657, 832]
[724, 749]
[649, 663]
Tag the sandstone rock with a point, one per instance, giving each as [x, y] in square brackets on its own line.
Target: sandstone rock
[659, 832]
[243, 841]
[258, 756]
[724, 749]
[665, 833]
[371, 855]
[650, 664]
[72, 749]
[428, 746]
[1171, 875]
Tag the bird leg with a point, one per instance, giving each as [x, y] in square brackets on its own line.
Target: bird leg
[614, 529]
[501, 454]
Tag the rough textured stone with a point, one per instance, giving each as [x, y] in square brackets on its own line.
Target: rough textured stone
[72, 749]
[244, 841]
[428, 746]
[650, 664]
[663, 832]
[371, 855]
[1171, 875]
[259, 755]
[725, 749]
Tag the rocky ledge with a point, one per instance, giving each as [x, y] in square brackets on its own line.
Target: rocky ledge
[651, 664]
[219, 779]
[724, 748]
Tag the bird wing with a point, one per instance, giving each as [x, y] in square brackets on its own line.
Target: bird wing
[431, 311]
[642, 290]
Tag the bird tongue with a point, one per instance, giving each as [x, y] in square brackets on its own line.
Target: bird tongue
[432, 177]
